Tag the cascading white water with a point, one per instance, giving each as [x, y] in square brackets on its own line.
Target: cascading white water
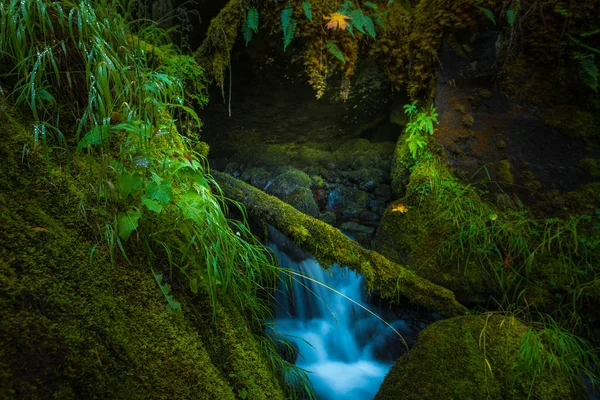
[347, 350]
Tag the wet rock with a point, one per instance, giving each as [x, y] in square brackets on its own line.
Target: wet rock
[369, 218]
[368, 186]
[288, 180]
[257, 177]
[383, 193]
[328, 217]
[362, 234]
[362, 178]
[233, 169]
[347, 197]
[293, 187]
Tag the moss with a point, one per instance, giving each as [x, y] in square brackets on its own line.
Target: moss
[469, 357]
[504, 174]
[572, 121]
[330, 246]
[75, 329]
[590, 166]
[468, 120]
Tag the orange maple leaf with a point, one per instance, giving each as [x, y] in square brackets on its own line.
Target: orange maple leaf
[337, 21]
[399, 208]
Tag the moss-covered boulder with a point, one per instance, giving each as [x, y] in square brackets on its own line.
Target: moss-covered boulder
[471, 357]
[75, 326]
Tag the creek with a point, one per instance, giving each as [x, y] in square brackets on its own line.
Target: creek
[347, 350]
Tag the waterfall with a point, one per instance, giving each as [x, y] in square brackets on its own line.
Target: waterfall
[346, 349]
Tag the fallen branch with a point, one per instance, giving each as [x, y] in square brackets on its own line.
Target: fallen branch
[328, 245]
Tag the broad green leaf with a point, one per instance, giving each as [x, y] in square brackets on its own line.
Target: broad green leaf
[152, 205]
[94, 136]
[127, 183]
[161, 193]
[371, 4]
[128, 222]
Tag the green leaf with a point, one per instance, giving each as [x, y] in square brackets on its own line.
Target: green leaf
[589, 72]
[488, 13]
[390, 2]
[510, 16]
[161, 193]
[94, 136]
[127, 183]
[307, 7]
[152, 205]
[173, 306]
[335, 50]
[128, 222]
[252, 19]
[370, 27]
[246, 32]
[357, 19]
[288, 25]
[371, 4]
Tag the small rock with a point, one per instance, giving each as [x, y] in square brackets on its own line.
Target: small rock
[369, 218]
[383, 193]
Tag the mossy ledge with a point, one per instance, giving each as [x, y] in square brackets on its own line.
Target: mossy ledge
[71, 329]
[330, 246]
[472, 357]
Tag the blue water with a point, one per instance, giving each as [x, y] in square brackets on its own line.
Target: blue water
[347, 350]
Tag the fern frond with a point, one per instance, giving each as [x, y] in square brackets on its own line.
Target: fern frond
[246, 32]
[589, 72]
[307, 7]
[335, 50]
[288, 25]
[252, 19]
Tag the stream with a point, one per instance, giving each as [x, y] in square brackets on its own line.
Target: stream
[346, 349]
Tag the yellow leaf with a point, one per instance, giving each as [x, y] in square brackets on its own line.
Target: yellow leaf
[399, 208]
[337, 21]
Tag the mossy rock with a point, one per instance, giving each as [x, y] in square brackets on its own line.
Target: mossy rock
[470, 357]
[73, 328]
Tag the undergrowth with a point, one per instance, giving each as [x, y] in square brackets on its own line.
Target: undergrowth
[78, 64]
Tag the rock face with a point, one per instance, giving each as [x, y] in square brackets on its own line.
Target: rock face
[471, 357]
[482, 129]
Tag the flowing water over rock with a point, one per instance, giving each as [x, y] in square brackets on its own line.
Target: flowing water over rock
[347, 350]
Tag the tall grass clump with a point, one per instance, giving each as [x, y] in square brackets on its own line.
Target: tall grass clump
[101, 95]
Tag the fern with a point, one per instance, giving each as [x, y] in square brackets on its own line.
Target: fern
[252, 19]
[250, 24]
[335, 50]
[511, 16]
[306, 6]
[488, 13]
[288, 25]
[589, 72]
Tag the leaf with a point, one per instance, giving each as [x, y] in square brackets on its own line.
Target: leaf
[252, 19]
[127, 183]
[335, 50]
[390, 2]
[371, 4]
[488, 13]
[589, 72]
[337, 21]
[128, 222]
[370, 27]
[399, 208]
[173, 306]
[94, 136]
[161, 193]
[152, 205]
[307, 7]
[510, 16]
[246, 32]
[288, 25]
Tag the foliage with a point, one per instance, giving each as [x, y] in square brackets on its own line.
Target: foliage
[147, 181]
[421, 123]
[547, 346]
